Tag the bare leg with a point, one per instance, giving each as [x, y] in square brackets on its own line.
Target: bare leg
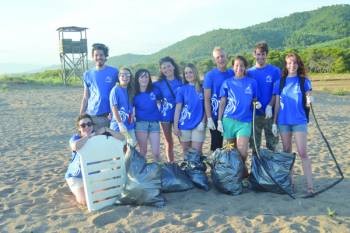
[169, 143]
[185, 146]
[79, 195]
[155, 141]
[287, 142]
[198, 146]
[287, 147]
[242, 147]
[142, 141]
[301, 141]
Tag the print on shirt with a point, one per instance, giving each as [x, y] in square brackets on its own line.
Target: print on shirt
[248, 90]
[215, 104]
[108, 79]
[152, 96]
[185, 114]
[269, 79]
[166, 106]
[281, 102]
[123, 114]
[232, 104]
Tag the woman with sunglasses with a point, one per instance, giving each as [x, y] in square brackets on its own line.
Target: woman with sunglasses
[73, 175]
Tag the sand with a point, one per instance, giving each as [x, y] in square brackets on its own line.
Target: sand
[37, 122]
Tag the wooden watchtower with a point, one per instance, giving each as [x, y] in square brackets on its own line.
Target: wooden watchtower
[73, 53]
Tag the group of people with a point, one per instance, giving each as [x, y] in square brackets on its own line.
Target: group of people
[134, 108]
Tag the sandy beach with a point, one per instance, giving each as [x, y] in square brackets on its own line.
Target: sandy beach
[37, 122]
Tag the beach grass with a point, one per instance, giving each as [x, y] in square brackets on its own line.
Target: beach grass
[49, 77]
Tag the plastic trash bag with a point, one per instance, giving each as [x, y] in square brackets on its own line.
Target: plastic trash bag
[143, 182]
[174, 179]
[278, 164]
[195, 169]
[227, 171]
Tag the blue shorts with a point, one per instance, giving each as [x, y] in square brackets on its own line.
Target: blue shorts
[292, 128]
[147, 126]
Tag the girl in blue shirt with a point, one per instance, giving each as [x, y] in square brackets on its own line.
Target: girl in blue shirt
[290, 113]
[121, 97]
[73, 175]
[168, 84]
[235, 109]
[189, 119]
[147, 113]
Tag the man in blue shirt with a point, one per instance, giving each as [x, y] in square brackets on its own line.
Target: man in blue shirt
[98, 83]
[212, 84]
[265, 75]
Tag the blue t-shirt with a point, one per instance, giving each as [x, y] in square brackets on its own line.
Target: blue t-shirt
[167, 107]
[120, 99]
[145, 104]
[291, 110]
[192, 107]
[240, 94]
[265, 78]
[74, 169]
[213, 81]
[99, 84]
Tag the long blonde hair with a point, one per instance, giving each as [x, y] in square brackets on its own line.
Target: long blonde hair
[197, 81]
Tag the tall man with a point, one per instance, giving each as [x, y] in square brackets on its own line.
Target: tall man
[266, 75]
[212, 84]
[98, 83]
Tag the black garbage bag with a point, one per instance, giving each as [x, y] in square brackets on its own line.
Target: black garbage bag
[278, 164]
[174, 179]
[195, 168]
[143, 182]
[227, 171]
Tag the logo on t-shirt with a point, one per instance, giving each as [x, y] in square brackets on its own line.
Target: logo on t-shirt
[268, 79]
[108, 79]
[248, 90]
[200, 96]
[152, 96]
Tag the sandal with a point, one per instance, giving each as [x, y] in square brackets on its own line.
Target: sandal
[310, 192]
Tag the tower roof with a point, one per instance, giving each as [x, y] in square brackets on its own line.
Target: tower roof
[71, 29]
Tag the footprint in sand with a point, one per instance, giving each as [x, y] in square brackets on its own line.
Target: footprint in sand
[110, 217]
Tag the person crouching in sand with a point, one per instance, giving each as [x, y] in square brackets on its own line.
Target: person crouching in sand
[73, 175]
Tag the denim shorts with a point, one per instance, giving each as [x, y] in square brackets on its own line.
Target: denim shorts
[292, 128]
[147, 126]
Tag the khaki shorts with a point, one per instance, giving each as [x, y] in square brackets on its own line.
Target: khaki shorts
[100, 121]
[194, 135]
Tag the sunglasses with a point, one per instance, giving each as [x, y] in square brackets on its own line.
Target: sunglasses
[125, 75]
[83, 125]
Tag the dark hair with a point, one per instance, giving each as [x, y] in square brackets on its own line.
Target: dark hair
[130, 87]
[196, 76]
[99, 46]
[301, 71]
[244, 60]
[83, 116]
[172, 61]
[262, 46]
[139, 73]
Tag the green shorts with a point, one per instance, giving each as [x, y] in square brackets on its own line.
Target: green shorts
[236, 129]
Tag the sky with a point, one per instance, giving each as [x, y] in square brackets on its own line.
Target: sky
[29, 33]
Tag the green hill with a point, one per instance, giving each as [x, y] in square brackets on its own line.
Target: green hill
[325, 27]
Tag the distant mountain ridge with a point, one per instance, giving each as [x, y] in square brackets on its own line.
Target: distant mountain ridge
[326, 26]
